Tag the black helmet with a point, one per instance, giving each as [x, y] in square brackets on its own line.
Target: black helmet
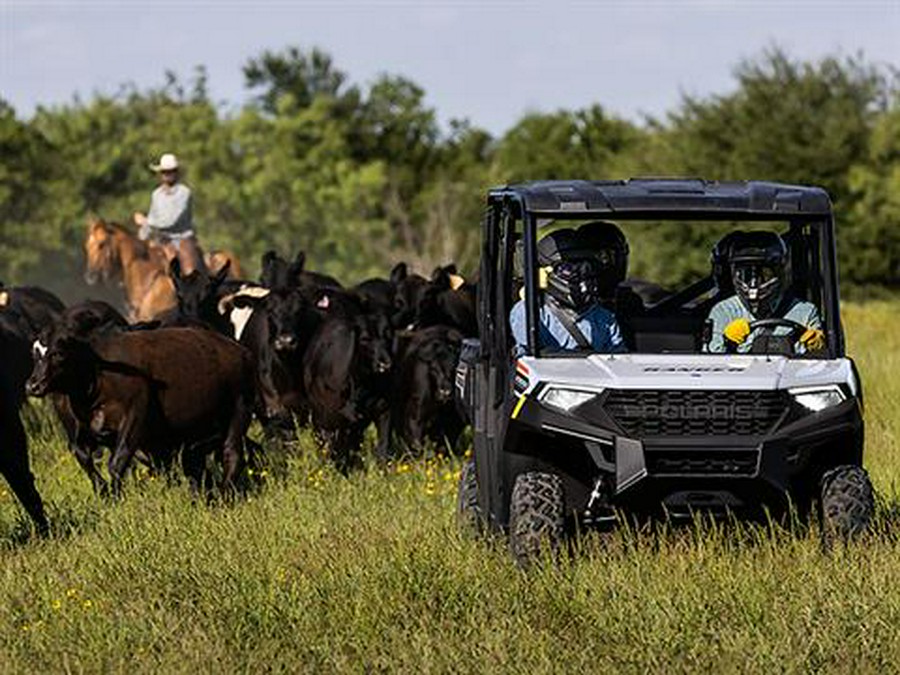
[720, 258]
[760, 271]
[607, 244]
[574, 275]
[557, 246]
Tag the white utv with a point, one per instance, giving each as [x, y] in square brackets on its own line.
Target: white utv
[665, 427]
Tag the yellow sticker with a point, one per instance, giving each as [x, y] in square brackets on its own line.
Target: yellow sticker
[518, 408]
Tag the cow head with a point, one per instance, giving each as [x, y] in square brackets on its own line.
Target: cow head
[440, 355]
[198, 292]
[448, 301]
[276, 272]
[62, 362]
[375, 337]
[408, 291]
[291, 318]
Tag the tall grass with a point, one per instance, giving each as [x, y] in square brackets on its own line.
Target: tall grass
[321, 573]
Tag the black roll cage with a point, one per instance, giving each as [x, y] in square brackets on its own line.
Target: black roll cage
[638, 199]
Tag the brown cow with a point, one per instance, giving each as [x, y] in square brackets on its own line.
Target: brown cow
[155, 391]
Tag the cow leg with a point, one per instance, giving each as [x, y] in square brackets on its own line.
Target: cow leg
[233, 448]
[193, 463]
[383, 446]
[414, 434]
[84, 450]
[121, 458]
[81, 444]
[14, 467]
[345, 445]
[452, 429]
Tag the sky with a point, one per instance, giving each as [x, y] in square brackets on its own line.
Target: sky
[488, 61]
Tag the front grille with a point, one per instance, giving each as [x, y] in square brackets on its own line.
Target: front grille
[724, 462]
[643, 413]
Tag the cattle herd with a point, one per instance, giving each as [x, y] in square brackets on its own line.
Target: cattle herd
[295, 349]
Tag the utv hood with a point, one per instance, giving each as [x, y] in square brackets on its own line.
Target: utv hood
[678, 371]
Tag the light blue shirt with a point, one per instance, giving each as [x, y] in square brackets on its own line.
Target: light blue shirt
[732, 308]
[599, 326]
[171, 212]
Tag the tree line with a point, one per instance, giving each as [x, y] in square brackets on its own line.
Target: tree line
[360, 176]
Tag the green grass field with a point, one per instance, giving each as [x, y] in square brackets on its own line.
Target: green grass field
[321, 573]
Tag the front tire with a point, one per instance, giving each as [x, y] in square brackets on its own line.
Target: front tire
[848, 503]
[537, 516]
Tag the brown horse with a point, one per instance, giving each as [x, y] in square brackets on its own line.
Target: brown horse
[112, 251]
[217, 259]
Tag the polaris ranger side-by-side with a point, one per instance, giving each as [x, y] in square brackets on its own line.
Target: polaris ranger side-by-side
[668, 424]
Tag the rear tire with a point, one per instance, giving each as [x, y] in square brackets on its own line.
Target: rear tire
[848, 503]
[468, 513]
[537, 516]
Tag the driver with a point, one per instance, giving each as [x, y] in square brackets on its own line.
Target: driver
[571, 316]
[760, 273]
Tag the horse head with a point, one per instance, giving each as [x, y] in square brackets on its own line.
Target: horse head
[100, 251]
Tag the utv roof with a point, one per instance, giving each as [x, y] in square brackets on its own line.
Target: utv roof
[692, 197]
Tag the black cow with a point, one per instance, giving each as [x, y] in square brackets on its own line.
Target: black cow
[277, 334]
[198, 294]
[408, 294]
[442, 304]
[32, 306]
[88, 316]
[377, 293]
[346, 374]
[423, 407]
[14, 464]
[276, 272]
[154, 391]
[398, 297]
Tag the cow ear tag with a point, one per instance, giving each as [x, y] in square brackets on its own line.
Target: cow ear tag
[324, 302]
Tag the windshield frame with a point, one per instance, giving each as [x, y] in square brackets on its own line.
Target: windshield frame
[532, 221]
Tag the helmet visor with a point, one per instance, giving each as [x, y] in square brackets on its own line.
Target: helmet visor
[578, 280]
[754, 275]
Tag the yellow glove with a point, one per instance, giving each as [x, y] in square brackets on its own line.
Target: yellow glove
[737, 331]
[542, 281]
[543, 272]
[813, 339]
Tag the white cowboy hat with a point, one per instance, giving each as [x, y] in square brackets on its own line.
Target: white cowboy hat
[168, 162]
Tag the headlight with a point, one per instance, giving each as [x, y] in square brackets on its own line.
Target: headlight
[816, 399]
[566, 399]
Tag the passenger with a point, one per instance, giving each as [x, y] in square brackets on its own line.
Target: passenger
[760, 272]
[571, 317]
[607, 243]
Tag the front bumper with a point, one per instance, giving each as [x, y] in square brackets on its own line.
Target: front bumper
[682, 474]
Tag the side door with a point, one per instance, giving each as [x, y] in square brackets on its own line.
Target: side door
[493, 388]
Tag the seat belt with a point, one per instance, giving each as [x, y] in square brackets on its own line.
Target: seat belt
[568, 321]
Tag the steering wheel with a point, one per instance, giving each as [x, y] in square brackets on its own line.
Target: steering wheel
[795, 326]
[797, 329]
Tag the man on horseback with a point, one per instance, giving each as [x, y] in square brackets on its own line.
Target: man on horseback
[170, 219]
